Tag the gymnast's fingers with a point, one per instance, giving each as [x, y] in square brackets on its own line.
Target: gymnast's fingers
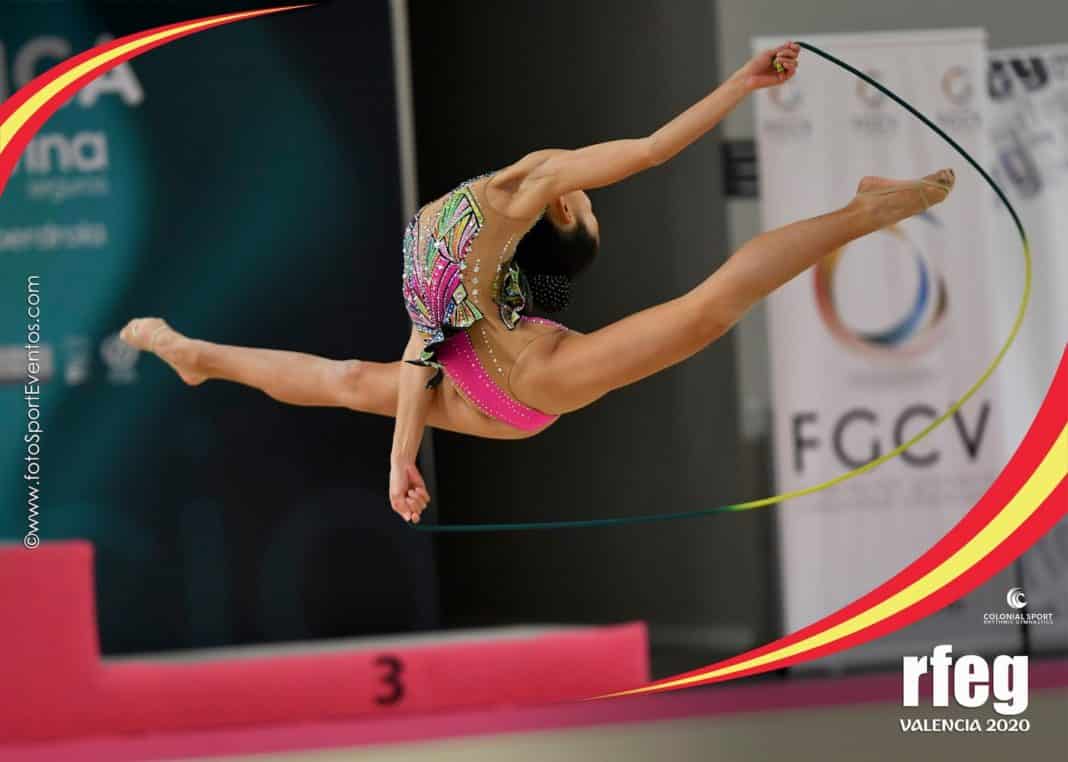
[418, 497]
[399, 506]
[416, 504]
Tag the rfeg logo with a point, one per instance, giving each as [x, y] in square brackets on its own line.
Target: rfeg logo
[975, 681]
[912, 332]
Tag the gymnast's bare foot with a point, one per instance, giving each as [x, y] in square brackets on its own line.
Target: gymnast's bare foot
[895, 200]
[155, 336]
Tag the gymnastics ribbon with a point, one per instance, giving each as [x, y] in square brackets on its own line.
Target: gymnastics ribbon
[776, 499]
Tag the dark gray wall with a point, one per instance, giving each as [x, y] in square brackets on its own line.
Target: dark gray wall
[491, 83]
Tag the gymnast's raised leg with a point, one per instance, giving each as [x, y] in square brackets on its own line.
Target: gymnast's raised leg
[568, 371]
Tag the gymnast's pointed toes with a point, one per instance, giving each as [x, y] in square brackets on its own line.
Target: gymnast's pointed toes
[944, 178]
[938, 185]
[139, 331]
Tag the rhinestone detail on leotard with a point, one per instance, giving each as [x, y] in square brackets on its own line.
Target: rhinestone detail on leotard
[478, 387]
[434, 263]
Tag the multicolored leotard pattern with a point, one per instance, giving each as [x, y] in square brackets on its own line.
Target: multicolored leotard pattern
[434, 292]
[441, 309]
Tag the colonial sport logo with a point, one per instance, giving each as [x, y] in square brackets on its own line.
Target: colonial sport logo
[1016, 598]
[912, 333]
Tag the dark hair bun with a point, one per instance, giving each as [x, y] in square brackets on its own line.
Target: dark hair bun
[551, 293]
[550, 259]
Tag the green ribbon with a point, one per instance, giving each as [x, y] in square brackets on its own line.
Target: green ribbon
[1021, 311]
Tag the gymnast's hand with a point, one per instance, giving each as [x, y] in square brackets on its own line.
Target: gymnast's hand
[407, 491]
[771, 67]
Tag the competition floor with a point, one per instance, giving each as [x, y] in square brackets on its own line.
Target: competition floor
[804, 719]
[510, 693]
[866, 732]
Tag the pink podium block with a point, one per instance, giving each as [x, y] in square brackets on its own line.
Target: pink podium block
[53, 684]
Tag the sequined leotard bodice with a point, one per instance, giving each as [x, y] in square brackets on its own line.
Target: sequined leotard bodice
[460, 277]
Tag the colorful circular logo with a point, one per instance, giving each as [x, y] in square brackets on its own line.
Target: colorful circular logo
[911, 333]
[786, 99]
[868, 95]
[957, 85]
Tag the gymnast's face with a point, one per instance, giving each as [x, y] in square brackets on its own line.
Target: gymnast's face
[572, 210]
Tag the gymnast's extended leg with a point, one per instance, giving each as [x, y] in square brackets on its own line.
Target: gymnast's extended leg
[296, 378]
[291, 377]
[562, 372]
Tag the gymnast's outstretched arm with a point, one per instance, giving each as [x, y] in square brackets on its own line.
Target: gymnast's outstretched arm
[407, 490]
[542, 176]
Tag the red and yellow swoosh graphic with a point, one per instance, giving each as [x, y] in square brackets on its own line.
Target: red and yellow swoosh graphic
[22, 115]
[1028, 498]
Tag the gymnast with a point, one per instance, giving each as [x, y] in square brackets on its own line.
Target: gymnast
[474, 362]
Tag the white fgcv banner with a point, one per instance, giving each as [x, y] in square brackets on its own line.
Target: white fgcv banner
[879, 338]
[1028, 110]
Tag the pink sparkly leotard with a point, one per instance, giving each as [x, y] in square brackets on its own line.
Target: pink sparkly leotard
[465, 295]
